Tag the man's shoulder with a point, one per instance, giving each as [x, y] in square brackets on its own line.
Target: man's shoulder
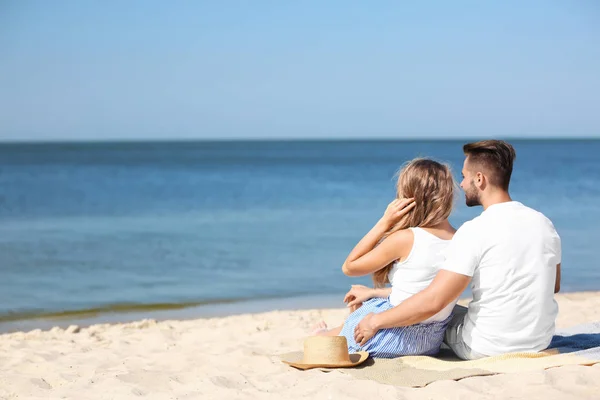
[469, 233]
[526, 215]
[471, 226]
[537, 216]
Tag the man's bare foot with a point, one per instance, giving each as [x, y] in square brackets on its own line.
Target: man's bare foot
[319, 329]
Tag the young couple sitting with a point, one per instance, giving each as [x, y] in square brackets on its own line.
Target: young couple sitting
[510, 254]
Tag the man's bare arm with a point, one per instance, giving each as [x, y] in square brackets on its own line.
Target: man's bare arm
[445, 288]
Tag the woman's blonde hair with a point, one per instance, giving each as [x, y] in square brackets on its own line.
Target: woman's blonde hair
[432, 186]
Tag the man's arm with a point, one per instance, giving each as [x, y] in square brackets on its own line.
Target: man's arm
[557, 281]
[445, 288]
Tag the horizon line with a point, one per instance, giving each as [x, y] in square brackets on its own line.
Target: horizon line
[292, 139]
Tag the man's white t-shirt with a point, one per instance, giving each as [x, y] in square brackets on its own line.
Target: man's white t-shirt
[511, 251]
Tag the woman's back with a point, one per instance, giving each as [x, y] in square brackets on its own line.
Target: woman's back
[413, 274]
[424, 197]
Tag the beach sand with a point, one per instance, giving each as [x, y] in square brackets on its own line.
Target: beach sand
[233, 358]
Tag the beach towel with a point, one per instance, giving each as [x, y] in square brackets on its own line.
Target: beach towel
[579, 345]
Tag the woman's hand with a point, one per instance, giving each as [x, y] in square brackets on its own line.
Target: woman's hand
[357, 295]
[355, 264]
[396, 210]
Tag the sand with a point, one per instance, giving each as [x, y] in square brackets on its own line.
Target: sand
[232, 358]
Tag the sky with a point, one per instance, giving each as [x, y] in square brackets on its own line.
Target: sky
[143, 69]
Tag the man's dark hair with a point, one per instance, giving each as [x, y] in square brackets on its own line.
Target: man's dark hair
[495, 157]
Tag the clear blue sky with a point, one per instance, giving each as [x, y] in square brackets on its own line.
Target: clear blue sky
[286, 69]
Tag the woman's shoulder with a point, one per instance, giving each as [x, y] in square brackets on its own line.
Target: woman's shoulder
[402, 239]
[402, 235]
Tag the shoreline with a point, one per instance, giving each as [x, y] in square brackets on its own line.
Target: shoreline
[185, 312]
[180, 312]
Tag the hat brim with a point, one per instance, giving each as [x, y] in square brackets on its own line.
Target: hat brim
[295, 360]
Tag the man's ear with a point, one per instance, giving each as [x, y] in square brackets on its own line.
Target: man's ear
[479, 180]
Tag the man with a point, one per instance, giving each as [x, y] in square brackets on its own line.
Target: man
[510, 254]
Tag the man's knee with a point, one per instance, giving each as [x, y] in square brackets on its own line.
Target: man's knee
[460, 310]
[452, 334]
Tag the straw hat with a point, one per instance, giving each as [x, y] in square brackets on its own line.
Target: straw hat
[325, 352]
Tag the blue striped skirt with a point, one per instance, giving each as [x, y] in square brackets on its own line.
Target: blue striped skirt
[419, 339]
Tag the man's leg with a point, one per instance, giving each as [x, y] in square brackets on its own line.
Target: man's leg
[452, 330]
[453, 337]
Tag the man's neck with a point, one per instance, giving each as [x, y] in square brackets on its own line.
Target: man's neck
[496, 197]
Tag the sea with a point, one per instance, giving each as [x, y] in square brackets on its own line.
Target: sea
[111, 231]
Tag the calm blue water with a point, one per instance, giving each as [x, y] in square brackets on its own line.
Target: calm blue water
[86, 226]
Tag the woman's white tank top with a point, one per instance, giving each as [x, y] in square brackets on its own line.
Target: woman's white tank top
[413, 274]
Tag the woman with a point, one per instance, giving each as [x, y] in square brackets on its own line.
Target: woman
[403, 249]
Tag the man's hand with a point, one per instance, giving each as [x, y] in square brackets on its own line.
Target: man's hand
[365, 330]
